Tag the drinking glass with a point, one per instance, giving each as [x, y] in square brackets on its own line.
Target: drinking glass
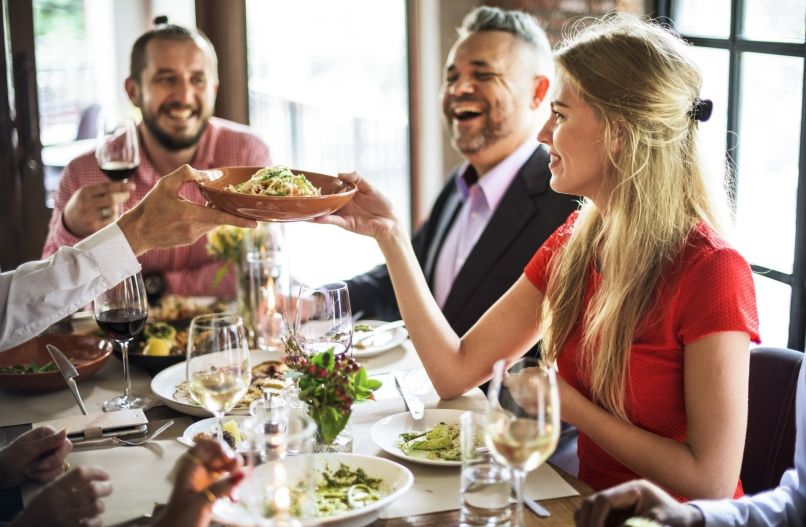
[267, 290]
[218, 370]
[121, 312]
[117, 149]
[523, 419]
[324, 319]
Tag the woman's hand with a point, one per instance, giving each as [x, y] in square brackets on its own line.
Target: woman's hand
[368, 213]
[199, 482]
[37, 455]
[73, 499]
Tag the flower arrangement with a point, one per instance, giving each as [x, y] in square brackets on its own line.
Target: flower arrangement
[329, 384]
[226, 244]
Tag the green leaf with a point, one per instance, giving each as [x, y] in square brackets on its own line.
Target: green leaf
[220, 274]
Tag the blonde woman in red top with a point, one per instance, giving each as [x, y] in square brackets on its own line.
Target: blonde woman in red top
[647, 311]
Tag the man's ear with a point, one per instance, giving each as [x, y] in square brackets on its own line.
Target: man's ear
[132, 90]
[540, 88]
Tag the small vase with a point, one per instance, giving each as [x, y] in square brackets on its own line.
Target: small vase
[343, 444]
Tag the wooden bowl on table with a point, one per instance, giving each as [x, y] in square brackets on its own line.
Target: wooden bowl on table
[87, 353]
[335, 194]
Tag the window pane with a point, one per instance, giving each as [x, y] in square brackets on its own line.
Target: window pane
[702, 19]
[775, 20]
[714, 66]
[773, 299]
[331, 98]
[767, 166]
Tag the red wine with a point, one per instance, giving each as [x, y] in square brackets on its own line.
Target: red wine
[122, 324]
[118, 170]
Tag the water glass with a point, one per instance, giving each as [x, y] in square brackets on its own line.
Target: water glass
[324, 319]
[281, 482]
[485, 485]
[268, 288]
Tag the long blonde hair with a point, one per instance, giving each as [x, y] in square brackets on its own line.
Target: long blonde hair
[637, 78]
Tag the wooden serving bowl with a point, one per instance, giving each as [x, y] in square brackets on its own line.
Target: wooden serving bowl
[335, 194]
[87, 353]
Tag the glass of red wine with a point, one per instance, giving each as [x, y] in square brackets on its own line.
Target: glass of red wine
[117, 150]
[121, 312]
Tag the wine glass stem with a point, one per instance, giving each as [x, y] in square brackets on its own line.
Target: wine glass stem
[517, 485]
[219, 427]
[127, 380]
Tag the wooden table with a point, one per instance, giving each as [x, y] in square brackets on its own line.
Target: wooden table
[562, 509]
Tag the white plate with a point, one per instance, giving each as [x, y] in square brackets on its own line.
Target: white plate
[164, 385]
[378, 344]
[396, 481]
[386, 432]
[209, 426]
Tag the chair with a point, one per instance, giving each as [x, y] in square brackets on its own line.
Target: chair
[88, 122]
[769, 448]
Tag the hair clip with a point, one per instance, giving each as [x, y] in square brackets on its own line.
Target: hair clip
[160, 20]
[701, 111]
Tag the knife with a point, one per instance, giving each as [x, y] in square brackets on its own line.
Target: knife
[380, 329]
[535, 507]
[68, 371]
[413, 403]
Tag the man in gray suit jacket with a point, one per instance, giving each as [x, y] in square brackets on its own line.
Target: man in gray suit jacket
[497, 208]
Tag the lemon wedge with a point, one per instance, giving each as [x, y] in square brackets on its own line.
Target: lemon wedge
[157, 347]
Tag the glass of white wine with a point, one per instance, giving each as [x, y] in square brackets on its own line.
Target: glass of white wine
[218, 369]
[523, 419]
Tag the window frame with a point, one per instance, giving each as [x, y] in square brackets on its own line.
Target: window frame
[735, 44]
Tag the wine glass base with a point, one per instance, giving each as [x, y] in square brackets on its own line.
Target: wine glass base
[126, 403]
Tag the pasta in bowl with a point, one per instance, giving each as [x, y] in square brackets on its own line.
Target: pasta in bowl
[274, 193]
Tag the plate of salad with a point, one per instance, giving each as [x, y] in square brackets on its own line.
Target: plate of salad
[432, 440]
[336, 490]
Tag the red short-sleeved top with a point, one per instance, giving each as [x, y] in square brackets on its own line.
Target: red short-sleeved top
[708, 289]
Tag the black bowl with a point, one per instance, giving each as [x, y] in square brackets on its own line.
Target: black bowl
[153, 363]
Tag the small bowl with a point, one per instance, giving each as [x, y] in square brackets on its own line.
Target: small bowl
[335, 194]
[88, 354]
[154, 364]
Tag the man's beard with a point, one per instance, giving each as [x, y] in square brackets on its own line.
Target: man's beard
[491, 132]
[471, 142]
[170, 142]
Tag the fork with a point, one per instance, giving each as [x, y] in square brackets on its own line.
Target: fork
[142, 440]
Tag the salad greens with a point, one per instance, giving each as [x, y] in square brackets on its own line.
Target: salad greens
[29, 368]
[345, 490]
[439, 442]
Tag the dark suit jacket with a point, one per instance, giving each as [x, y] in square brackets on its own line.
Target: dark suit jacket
[527, 214]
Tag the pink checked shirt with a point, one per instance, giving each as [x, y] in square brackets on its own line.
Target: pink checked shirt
[186, 270]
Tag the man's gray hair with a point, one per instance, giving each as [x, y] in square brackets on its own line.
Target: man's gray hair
[519, 23]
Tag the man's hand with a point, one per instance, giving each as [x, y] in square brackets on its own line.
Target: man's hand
[638, 498]
[368, 213]
[37, 455]
[163, 218]
[92, 206]
[73, 499]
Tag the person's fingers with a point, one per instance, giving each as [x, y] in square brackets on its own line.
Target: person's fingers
[184, 174]
[225, 486]
[621, 501]
[42, 444]
[89, 510]
[84, 473]
[353, 177]
[217, 217]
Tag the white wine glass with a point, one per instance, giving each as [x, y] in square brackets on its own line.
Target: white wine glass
[523, 419]
[121, 313]
[324, 318]
[218, 369]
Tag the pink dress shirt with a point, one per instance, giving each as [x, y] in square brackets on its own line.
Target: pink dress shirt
[186, 270]
[479, 200]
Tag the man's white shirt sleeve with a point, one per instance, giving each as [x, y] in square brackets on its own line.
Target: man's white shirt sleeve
[39, 293]
[784, 505]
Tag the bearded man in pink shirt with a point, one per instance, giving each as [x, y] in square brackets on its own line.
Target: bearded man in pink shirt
[173, 79]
